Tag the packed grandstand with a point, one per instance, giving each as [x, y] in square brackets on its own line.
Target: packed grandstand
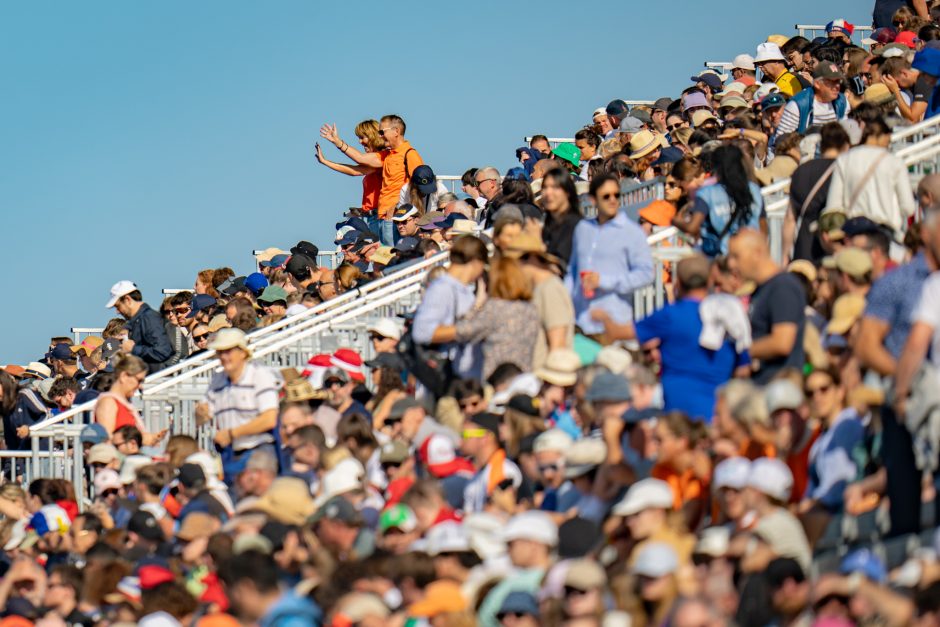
[678, 369]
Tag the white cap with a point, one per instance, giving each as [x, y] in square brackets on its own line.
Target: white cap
[645, 494]
[782, 394]
[344, 477]
[768, 52]
[106, 479]
[295, 310]
[743, 62]
[583, 456]
[599, 111]
[485, 538]
[552, 440]
[532, 525]
[764, 90]
[386, 327]
[735, 87]
[771, 477]
[130, 466]
[713, 541]
[614, 359]
[656, 559]
[447, 537]
[121, 288]
[732, 473]
[102, 453]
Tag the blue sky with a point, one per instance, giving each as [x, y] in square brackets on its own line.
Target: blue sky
[149, 140]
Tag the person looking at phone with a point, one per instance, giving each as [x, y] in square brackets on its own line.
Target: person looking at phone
[610, 259]
[242, 399]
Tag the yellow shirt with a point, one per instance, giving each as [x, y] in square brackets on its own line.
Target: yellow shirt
[788, 84]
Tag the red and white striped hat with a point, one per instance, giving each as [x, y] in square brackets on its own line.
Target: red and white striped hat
[350, 361]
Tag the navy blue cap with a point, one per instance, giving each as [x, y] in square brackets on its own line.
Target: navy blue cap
[256, 282]
[351, 237]
[362, 266]
[449, 221]
[406, 244]
[200, 302]
[60, 351]
[617, 108]
[865, 562]
[275, 262]
[861, 226]
[517, 173]
[424, 180]
[357, 223]
[634, 416]
[712, 80]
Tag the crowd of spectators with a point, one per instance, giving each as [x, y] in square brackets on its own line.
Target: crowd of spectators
[523, 449]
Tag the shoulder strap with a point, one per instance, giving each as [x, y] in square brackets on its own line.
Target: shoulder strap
[407, 173]
[815, 189]
[864, 180]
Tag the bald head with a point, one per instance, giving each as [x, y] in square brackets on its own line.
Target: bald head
[749, 254]
[693, 272]
[928, 190]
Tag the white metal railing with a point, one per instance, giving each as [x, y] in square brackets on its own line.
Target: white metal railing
[722, 67]
[813, 29]
[454, 184]
[79, 333]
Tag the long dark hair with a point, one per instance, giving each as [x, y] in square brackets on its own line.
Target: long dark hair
[9, 389]
[728, 168]
[564, 180]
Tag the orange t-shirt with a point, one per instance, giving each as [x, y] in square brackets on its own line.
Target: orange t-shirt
[685, 487]
[394, 176]
[755, 450]
[371, 185]
[798, 462]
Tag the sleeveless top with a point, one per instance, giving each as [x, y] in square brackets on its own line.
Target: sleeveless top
[125, 415]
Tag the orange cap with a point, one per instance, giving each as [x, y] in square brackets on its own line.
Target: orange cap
[659, 213]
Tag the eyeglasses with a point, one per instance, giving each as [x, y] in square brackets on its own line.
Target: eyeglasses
[179, 311]
[543, 468]
[480, 182]
[673, 127]
[201, 338]
[572, 591]
[332, 383]
[469, 434]
[610, 196]
[822, 389]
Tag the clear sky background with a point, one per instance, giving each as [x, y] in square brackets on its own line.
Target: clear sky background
[148, 140]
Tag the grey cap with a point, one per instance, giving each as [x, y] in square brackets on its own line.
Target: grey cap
[642, 116]
[508, 212]
[262, 459]
[402, 405]
[662, 104]
[631, 124]
[609, 387]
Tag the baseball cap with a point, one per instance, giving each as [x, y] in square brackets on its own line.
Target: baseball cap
[609, 387]
[642, 115]
[406, 244]
[743, 62]
[840, 26]
[448, 537]
[534, 525]
[299, 263]
[440, 456]
[771, 477]
[338, 509]
[94, 433]
[846, 311]
[119, 289]
[276, 261]
[860, 225]
[103, 453]
[882, 36]
[709, 77]
[430, 216]
[907, 38]
[60, 351]
[199, 303]
[441, 597]
[782, 394]
[662, 104]
[583, 456]
[630, 124]
[403, 212]
[827, 70]
[424, 180]
[273, 294]
[107, 479]
[402, 405]
[645, 494]
[855, 262]
[256, 282]
[232, 286]
[585, 574]
[713, 542]
[772, 101]
[731, 473]
[487, 421]
[927, 61]
[395, 451]
[145, 525]
[655, 559]
[398, 516]
[577, 537]
[192, 476]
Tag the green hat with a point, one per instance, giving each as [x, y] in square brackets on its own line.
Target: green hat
[568, 152]
[272, 294]
[398, 516]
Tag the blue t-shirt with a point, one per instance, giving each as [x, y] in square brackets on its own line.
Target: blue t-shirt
[714, 202]
[690, 373]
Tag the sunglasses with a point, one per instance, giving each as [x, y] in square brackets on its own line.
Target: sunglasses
[468, 404]
[474, 433]
[179, 311]
[390, 466]
[332, 383]
[200, 338]
[543, 468]
[382, 131]
[673, 127]
[822, 389]
[107, 493]
[610, 197]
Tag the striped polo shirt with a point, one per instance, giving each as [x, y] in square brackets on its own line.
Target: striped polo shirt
[235, 403]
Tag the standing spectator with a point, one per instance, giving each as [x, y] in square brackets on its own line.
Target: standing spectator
[869, 181]
[146, 334]
[777, 309]
[114, 409]
[367, 132]
[820, 104]
[447, 299]
[610, 259]
[549, 295]
[732, 203]
[242, 400]
[562, 212]
[398, 161]
[691, 372]
[809, 189]
[773, 65]
[587, 141]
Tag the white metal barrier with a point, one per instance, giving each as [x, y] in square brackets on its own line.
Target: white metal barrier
[454, 184]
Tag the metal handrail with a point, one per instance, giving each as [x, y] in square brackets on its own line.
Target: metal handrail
[802, 28]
